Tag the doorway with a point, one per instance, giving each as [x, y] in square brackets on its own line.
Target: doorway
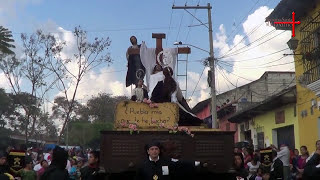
[286, 135]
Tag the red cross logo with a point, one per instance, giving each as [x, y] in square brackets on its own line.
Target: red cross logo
[293, 23]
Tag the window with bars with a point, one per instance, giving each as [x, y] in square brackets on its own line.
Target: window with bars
[310, 49]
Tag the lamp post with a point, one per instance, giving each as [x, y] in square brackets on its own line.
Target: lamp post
[293, 44]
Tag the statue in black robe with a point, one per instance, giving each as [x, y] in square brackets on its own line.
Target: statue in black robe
[136, 70]
[168, 90]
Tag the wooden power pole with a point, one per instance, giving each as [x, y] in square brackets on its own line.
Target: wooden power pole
[211, 58]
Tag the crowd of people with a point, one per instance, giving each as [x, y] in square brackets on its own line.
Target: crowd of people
[286, 164]
[52, 164]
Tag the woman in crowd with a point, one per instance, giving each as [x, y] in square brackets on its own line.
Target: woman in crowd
[253, 167]
[317, 148]
[247, 157]
[44, 166]
[301, 162]
[311, 170]
[73, 169]
[238, 165]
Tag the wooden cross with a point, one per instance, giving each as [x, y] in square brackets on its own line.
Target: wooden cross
[159, 37]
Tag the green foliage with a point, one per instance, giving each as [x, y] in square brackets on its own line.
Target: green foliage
[102, 107]
[5, 41]
[86, 134]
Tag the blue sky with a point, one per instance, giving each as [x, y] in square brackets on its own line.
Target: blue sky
[119, 19]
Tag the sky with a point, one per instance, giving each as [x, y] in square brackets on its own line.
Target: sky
[239, 32]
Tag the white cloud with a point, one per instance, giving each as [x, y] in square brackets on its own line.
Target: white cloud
[247, 69]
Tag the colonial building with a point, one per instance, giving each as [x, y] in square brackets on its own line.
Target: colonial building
[306, 50]
[267, 85]
[272, 121]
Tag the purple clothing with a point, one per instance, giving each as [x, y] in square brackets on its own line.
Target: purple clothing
[301, 162]
[40, 173]
[258, 178]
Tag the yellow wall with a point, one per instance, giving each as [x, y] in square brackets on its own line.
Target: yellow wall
[308, 126]
[266, 122]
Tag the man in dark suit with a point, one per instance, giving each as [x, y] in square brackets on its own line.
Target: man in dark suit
[312, 168]
[155, 167]
[276, 167]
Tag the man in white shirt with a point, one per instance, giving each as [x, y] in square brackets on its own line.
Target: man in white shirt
[284, 156]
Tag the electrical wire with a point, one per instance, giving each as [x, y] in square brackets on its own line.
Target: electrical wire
[244, 17]
[250, 59]
[180, 26]
[168, 33]
[198, 81]
[247, 48]
[245, 37]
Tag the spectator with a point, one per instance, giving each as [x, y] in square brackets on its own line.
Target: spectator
[312, 168]
[44, 165]
[73, 169]
[253, 167]
[317, 148]
[27, 173]
[276, 171]
[57, 168]
[284, 156]
[93, 171]
[294, 164]
[80, 165]
[301, 163]
[4, 168]
[38, 166]
[247, 157]
[238, 165]
[259, 174]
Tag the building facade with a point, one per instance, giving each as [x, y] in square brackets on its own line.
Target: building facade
[306, 47]
[273, 121]
[250, 94]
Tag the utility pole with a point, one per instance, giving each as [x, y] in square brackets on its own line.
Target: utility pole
[211, 58]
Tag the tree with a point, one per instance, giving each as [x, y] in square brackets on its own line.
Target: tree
[61, 107]
[5, 41]
[45, 127]
[101, 108]
[38, 48]
[88, 56]
[6, 107]
[87, 134]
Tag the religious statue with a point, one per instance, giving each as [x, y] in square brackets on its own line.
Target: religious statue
[136, 70]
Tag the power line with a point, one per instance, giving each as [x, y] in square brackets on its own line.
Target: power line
[198, 81]
[227, 64]
[248, 45]
[244, 17]
[250, 59]
[245, 37]
[195, 12]
[233, 54]
[234, 74]
[168, 33]
[180, 26]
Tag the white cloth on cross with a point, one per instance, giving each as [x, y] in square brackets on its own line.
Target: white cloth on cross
[154, 79]
[149, 60]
